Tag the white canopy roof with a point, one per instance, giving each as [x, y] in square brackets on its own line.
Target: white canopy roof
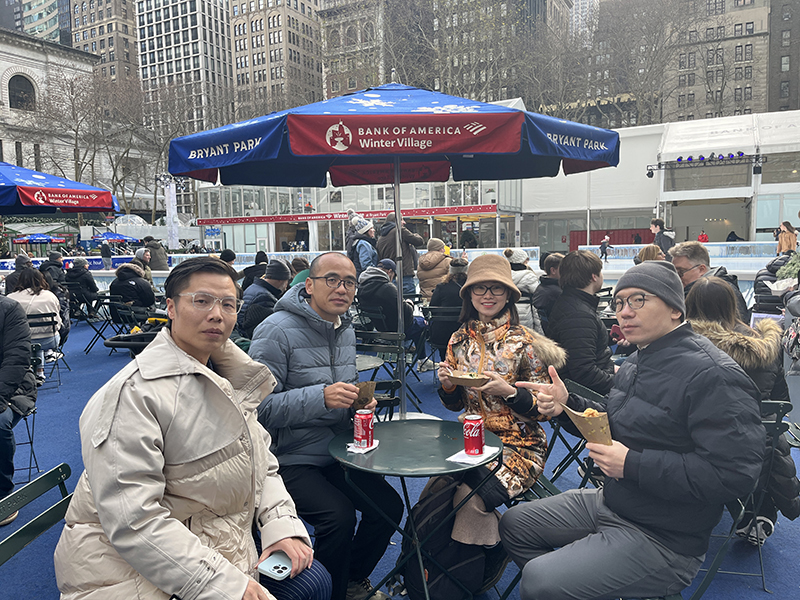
[767, 133]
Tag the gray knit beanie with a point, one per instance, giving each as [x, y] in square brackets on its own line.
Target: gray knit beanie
[658, 277]
[277, 271]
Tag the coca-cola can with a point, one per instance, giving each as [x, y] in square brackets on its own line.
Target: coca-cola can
[363, 428]
[473, 435]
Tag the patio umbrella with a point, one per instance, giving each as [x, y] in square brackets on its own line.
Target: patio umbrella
[392, 134]
[110, 236]
[39, 238]
[23, 191]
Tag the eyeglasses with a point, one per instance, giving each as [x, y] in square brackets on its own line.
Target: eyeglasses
[682, 272]
[335, 282]
[494, 290]
[205, 302]
[635, 301]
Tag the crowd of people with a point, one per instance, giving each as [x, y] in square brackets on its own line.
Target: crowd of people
[208, 452]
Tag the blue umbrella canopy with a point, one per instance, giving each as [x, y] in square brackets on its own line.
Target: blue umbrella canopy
[357, 138]
[110, 236]
[24, 191]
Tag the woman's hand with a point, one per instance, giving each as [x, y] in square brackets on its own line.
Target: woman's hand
[296, 549]
[444, 375]
[550, 397]
[254, 591]
[371, 405]
[496, 386]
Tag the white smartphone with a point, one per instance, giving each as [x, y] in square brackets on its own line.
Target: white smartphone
[277, 565]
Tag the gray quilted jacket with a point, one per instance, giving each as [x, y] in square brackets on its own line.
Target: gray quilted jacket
[305, 354]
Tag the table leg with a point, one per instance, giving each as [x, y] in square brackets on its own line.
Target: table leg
[419, 545]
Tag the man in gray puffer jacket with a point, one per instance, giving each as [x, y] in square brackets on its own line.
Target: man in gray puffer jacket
[309, 346]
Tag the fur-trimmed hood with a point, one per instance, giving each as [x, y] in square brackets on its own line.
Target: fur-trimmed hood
[750, 349]
[548, 351]
[128, 270]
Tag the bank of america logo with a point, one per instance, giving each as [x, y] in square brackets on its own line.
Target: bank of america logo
[474, 128]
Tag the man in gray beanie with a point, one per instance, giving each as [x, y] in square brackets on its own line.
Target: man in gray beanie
[686, 438]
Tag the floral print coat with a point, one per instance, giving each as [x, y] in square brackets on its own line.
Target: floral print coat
[517, 354]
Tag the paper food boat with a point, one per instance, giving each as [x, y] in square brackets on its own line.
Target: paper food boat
[593, 429]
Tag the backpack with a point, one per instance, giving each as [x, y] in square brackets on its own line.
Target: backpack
[477, 568]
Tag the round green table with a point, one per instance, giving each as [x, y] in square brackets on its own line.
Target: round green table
[414, 448]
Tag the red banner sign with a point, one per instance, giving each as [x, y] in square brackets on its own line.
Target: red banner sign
[479, 133]
[65, 199]
[445, 211]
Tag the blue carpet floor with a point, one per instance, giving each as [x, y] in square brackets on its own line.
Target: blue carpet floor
[30, 574]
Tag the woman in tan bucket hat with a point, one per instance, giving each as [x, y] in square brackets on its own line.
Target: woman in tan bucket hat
[492, 342]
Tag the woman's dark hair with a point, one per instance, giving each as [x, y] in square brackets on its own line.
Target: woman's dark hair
[468, 312]
[178, 279]
[33, 280]
[300, 263]
[712, 299]
[789, 226]
[261, 257]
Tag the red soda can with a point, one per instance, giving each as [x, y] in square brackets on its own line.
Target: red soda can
[362, 429]
[473, 435]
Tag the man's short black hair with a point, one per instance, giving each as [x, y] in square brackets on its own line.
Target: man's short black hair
[658, 223]
[313, 269]
[178, 279]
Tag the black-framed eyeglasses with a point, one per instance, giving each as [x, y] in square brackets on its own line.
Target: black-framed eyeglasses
[495, 290]
[635, 301]
[205, 302]
[682, 272]
[335, 282]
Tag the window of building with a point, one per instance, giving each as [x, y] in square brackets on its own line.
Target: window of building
[351, 83]
[737, 30]
[784, 63]
[784, 89]
[710, 33]
[693, 36]
[21, 94]
[334, 85]
[692, 59]
[737, 94]
[721, 32]
[748, 72]
[690, 79]
[682, 61]
[682, 101]
[715, 7]
[738, 53]
[681, 80]
[749, 28]
[786, 37]
[748, 52]
[748, 93]
[787, 12]
[690, 100]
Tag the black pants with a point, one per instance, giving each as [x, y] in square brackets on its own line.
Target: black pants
[325, 500]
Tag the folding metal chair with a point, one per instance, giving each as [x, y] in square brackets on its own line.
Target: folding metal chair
[103, 323]
[23, 496]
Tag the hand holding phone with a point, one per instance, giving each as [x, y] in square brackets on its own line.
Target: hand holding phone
[277, 565]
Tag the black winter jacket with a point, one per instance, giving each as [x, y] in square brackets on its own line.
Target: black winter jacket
[257, 304]
[54, 269]
[375, 289]
[12, 278]
[17, 390]
[445, 294]
[132, 287]
[690, 419]
[760, 354]
[84, 278]
[575, 326]
[545, 296]
[252, 273]
[665, 240]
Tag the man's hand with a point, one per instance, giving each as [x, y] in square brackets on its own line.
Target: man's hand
[610, 459]
[254, 591]
[296, 549]
[340, 395]
[496, 386]
[550, 397]
[371, 405]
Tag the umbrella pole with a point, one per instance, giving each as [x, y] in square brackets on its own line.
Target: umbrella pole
[401, 361]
